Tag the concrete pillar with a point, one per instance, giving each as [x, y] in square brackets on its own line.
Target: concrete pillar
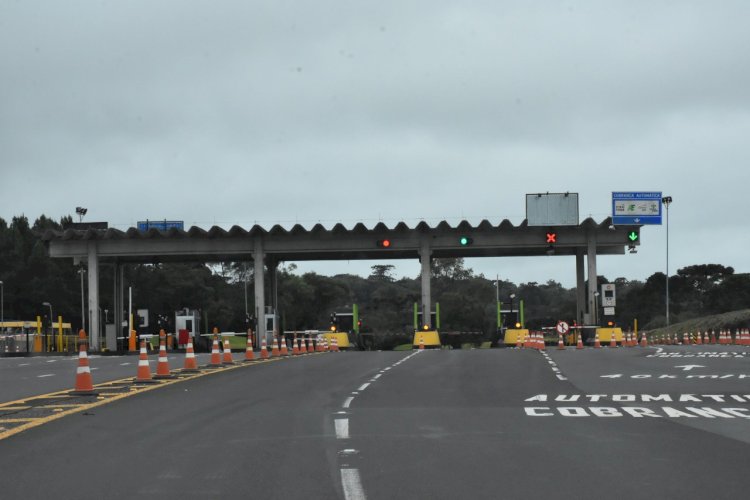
[273, 265]
[116, 309]
[580, 286]
[93, 262]
[591, 255]
[425, 254]
[260, 287]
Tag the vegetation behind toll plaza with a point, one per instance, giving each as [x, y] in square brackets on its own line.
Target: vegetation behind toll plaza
[467, 301]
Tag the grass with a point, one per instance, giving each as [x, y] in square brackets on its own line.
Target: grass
[730, 320]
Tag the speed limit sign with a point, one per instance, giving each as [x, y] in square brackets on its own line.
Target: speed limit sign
[562, 327]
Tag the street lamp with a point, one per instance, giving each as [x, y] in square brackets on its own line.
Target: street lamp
[52, 328]
[81, 212]
[666, 201]
[512, 296]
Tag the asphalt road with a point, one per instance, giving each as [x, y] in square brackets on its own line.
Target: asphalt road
[626, 423]
[24, 377]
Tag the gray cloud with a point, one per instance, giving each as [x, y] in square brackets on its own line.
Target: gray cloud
[237, 112]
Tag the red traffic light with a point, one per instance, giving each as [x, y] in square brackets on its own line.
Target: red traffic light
[551, 237]
[384, 243]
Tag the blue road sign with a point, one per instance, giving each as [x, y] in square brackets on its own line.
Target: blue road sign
[161, 225]
[636, 207]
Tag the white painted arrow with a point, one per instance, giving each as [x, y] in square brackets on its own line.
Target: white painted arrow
[687, 368]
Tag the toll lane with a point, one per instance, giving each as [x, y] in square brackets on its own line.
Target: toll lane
[261, 431]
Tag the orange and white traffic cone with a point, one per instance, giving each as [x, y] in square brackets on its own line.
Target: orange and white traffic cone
[597, 343]
[542, 345]
[302, 346]
[249, 354]
[263, 349]
[310, 345]
[421, 343]
[644, 340]
[319, 344]
[295, 346]
[326, 344]
[84, 384]
[162, 367]
[686, 338]
[215, 361]
[143, 375]
[560, 343]
[579, 342]
[612, 339]
[191, 364]
[335, 343]
[226, 358]
[275, 353]
[699, 338]
[713, 337]
[519, 341]
[284, 350]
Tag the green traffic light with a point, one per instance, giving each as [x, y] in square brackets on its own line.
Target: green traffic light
[465, 240]
[633, 236]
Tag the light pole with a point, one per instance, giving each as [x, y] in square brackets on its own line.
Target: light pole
[666, 201]
[512, 296]
[52, 328]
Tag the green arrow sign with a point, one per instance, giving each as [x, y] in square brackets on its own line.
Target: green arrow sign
[633, 236]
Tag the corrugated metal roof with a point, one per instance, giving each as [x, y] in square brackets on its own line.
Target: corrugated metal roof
[297, 229]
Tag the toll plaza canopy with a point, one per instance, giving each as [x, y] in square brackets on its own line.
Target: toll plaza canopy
[380, 242]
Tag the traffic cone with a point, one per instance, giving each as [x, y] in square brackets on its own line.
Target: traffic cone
[143, 375]
[302, 346]
[215, 361]
[226, 358]
[713, 337]
[699, 338]
[162, 367]
[263, 349]
[686, 338]
[282, 344]
[560, 343]
[579, 342]
[542, 345]
[249, 354]
[519, 341]
[191, 364]
[295, 346]
[421, 343]
[612, 339]
[84, 385]
[335, 344]
[644, 340]
[310, 345]
[597, 344]
[319, 344]
[275, 353]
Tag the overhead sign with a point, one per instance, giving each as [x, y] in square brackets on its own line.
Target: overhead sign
[161, 225]
[552, 209]
[636, 207]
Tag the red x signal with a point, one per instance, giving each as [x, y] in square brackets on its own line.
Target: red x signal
[551, 237]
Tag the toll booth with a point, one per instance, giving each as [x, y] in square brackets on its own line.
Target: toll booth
[186, 325]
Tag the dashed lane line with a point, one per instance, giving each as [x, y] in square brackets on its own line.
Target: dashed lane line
[352, 485]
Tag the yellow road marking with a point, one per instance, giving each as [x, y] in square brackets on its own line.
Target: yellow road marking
[35, 422]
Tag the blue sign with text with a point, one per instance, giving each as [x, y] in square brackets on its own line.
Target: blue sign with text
[161, 225]
[636, 207]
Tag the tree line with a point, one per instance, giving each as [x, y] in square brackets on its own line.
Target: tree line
[467, 300]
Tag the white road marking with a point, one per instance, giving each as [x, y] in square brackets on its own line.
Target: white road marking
[364, 386]
[52, 361]
[342, 428]
[347, 402]
[24, 364]
[376, 377]
[46, 375]
[386, 369]
[352, 485]
[124, 364]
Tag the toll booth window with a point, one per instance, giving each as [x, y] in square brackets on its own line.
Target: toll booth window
[189, 325]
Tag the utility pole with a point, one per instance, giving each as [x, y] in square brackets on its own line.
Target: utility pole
[666, 201]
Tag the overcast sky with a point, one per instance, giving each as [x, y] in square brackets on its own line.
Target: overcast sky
[223, 113]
